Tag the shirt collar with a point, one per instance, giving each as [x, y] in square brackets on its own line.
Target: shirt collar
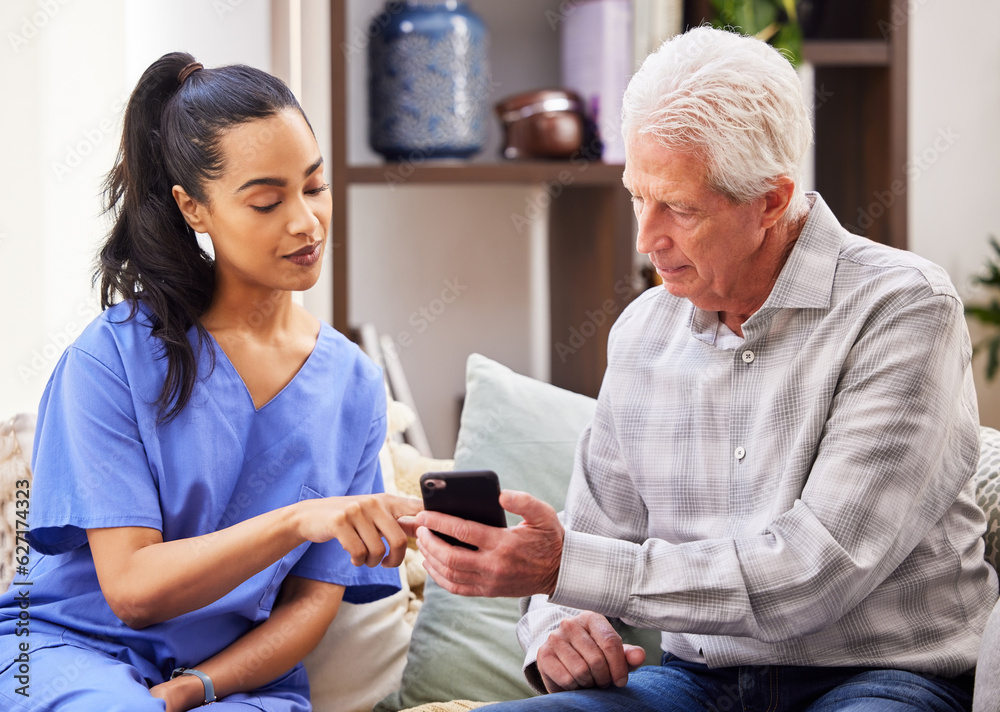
[805, 281]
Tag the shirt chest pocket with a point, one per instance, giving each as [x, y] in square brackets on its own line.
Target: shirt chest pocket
[287, 562]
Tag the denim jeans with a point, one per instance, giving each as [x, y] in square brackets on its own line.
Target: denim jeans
[679, 686]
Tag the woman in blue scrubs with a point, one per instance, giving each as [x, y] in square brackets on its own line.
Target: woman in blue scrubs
[206, 481]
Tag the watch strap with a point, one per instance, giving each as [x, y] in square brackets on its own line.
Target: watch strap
[205, 680]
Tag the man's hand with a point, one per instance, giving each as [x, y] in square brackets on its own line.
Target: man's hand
[512, 562]
[586, 651]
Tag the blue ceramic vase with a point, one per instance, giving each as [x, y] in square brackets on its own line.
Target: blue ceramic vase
[428, 81]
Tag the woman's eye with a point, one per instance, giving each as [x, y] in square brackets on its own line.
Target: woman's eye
[265, 208]
[317, 191]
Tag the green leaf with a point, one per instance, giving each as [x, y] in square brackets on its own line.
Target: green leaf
[773, 21]
[994, 358]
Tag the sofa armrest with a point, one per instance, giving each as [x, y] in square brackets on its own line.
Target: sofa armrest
[987, 693]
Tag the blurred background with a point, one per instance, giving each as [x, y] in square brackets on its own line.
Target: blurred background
[527, 262]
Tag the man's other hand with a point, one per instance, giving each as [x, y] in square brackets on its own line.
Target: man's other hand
[586, 651]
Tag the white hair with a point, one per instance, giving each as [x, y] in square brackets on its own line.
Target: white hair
[734, 98]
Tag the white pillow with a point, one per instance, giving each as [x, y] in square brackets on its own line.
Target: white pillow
[361, 658]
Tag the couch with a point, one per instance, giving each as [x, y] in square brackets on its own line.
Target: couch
[426, 649]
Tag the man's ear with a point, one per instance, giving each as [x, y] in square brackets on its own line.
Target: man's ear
[776, 201]
[195, 213]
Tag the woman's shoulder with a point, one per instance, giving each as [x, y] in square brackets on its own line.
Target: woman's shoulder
[348, 356]
[350, 371]
[118, 335]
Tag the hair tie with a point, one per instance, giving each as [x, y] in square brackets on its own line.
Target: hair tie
[188, 71]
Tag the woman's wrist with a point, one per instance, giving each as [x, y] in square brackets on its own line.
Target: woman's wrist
[296, 515]
[182, 693]
[193, 693]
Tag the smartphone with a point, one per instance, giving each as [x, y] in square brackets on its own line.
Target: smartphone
[468, 494]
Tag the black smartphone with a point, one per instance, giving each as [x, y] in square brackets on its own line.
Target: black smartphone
[467, 494]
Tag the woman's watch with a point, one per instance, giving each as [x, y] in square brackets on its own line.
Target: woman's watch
[205, 680]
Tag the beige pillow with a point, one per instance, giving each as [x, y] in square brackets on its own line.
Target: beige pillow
[361, 658]
[16, 435]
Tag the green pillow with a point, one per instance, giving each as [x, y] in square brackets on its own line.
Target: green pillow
[526, 431]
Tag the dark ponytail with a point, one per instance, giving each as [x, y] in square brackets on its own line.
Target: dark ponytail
[171, 137]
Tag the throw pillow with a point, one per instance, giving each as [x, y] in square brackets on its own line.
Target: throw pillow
[987, 479]
[361, 656]
[16, 436]
[526, 431]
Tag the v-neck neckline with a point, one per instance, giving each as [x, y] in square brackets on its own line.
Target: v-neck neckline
[246, 390]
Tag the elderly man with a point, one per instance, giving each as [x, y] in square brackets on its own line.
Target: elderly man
[777, 476]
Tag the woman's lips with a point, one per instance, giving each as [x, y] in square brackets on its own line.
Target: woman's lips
[307, 256]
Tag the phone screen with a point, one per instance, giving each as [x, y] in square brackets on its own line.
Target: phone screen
[468, 494]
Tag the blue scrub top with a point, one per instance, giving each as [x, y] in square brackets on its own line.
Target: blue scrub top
[102, 459]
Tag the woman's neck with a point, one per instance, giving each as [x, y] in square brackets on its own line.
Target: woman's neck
[256, 313]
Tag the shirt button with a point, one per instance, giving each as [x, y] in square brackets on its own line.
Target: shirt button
[739, 453]
[748, 356]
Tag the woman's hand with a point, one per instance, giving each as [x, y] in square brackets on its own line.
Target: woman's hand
[147, 581]
[360, 523]
[181, 694]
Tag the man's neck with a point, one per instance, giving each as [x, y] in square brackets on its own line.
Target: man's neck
[779, 243]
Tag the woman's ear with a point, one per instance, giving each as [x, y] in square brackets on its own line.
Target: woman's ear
[195, 214]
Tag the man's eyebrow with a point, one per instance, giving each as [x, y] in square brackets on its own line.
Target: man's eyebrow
[278, 182]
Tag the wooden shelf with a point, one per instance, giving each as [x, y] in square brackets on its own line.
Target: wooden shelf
[589, 227]
[847, 53]
[519, 172]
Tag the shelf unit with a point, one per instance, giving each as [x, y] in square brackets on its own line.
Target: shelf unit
[860, 118]
[589, 231]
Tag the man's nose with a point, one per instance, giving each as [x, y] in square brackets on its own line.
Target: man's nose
[652, 234]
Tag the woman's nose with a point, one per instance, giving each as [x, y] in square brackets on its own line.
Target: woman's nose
[303, 220]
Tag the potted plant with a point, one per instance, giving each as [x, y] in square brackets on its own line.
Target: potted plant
[989, 314]
[774, 21]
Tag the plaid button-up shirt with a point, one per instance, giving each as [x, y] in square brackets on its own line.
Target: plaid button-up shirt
[800, 496]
